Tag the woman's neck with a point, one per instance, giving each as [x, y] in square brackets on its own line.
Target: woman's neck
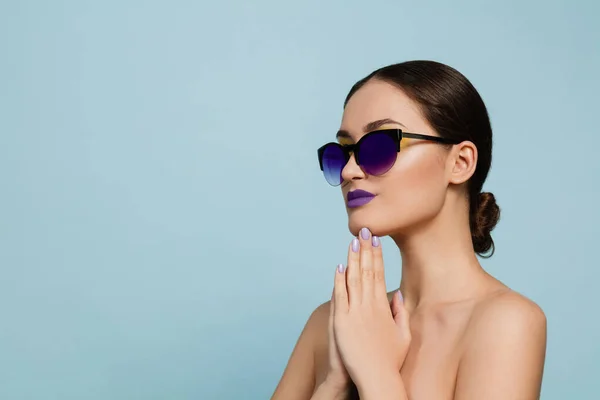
[439, 264]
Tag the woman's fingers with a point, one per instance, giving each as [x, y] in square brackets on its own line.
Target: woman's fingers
[353, 274]
[400, 313]
[366, 265]
[340, 292]
[365, 277]
[396, 306]
[378, 270]
[332, 305]
[331, 313]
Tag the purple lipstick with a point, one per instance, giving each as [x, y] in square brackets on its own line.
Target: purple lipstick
[357, 198]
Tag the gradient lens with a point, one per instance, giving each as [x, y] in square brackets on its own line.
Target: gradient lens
[333, 163]
[377, 153]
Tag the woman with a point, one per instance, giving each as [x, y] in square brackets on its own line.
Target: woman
[413, 152]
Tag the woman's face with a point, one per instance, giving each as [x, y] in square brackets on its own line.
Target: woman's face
[413, 191]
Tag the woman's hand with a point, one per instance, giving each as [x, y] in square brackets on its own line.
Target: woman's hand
[372, 338]
[337, 375]
[337, 381]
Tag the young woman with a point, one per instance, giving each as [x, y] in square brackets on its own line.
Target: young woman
[411, 157]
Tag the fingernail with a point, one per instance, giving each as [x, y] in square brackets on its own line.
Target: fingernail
[355, 245]
[365, 233]
[375, 241]
[400, 296]
[341, 268]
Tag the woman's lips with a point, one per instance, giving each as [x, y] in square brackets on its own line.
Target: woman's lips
[357, 198]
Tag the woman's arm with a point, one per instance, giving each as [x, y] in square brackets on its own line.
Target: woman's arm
[505, 353]
[298, 380]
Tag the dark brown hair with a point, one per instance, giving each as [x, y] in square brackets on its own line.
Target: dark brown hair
[454, 108]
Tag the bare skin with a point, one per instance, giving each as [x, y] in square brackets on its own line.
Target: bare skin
[440, 340]
[446, 336]
[471, 337]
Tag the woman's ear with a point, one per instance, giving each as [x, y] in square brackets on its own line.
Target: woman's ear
[462, 162]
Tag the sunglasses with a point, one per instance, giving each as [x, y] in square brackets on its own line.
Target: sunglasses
[375, 153]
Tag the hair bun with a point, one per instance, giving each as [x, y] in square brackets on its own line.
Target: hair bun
[484, 220]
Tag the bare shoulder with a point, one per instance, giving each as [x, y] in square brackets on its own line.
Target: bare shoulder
[319, 322]
[504, 352]
[316, 326]
[508, 311]
[321, 313]
[298, 379]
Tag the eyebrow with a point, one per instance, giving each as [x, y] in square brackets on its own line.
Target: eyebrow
[371, 126]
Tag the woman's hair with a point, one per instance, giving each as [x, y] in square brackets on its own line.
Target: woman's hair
[454, 108]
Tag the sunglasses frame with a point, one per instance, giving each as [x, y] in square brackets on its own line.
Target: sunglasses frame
[396, 134]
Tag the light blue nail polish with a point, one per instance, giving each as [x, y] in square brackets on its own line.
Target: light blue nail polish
[375, 241]
[355, 245]
[365, 233]
[341, 268]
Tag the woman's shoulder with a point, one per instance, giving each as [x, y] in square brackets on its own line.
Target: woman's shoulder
[319, 318]
[317, 325]
[505, 343]
[504, 316]
[506, 305]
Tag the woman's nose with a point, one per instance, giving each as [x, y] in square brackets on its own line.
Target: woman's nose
[352, 170]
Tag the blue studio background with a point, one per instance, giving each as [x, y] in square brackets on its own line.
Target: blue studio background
[164, 229]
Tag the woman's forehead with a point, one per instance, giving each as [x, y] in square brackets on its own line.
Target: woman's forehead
[377, 101]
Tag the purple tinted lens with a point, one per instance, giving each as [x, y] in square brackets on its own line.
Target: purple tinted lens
[333, 163]
[377, 153]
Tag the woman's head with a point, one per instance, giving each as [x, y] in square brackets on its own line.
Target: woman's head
[426, 98]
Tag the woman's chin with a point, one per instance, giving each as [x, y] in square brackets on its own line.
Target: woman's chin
[379, 224]
[355, 224]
